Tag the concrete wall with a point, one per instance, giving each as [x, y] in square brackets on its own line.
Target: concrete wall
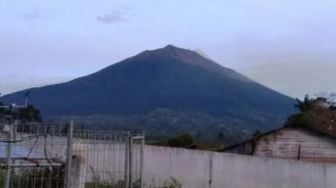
[195, 169]
[202, 169]
[98, 159]
[198, 169]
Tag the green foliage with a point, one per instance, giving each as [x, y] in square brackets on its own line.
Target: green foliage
[97, 182]
[183, 140]
[105, 184]
[172, 183]
[315, 114]
[2, 177]
[1, 109]
[220, 135]
[35, 178]
[256, 134]
[30, 113]
[304, 105]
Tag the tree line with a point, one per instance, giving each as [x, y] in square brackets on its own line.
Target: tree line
[29, 113]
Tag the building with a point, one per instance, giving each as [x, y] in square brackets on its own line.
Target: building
[290, 143]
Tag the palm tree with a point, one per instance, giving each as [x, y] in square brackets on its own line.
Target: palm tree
[304, 105]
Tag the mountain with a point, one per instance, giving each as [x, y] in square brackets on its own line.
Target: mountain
[172, 89]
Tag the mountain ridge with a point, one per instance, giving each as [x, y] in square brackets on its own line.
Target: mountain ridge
[167, 78]
[186, 56]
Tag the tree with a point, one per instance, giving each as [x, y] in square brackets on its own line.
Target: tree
[304, 105]
[182, 140]
[30, 113]
[1, 109]
[220, 134]
[315, 114]
[3, 112]
[257, 133]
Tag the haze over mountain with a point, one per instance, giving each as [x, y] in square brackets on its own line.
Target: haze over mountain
[164, 91]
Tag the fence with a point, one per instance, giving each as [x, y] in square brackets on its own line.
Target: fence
[61, 155]
[57, 156]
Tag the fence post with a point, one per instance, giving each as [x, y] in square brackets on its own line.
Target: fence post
[9, 154]
[210, 170]
[130, 161]
[142, 158]
[67, 181]
[126, 159]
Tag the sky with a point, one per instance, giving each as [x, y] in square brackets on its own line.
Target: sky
[287, 45]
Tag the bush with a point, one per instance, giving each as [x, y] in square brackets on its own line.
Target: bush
[183, 140]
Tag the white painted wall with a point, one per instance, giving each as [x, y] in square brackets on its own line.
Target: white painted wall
[192, 169]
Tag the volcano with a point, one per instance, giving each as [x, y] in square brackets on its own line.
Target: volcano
[168, 90]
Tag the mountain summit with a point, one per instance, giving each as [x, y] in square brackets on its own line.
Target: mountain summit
[189, 57]
[170, 88]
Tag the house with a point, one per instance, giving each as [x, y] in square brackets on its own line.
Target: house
[290, 143]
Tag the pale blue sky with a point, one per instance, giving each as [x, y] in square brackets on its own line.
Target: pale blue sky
[288, 45]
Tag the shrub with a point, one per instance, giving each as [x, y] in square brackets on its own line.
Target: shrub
[183, 140]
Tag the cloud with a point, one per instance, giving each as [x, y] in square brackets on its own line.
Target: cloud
[202, 53]
[114, 17]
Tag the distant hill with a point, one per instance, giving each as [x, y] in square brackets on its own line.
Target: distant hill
[164, 91]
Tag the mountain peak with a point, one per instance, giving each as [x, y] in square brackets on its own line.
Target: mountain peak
[183, 55]
[171, 50]
[187, 56]
[170, 46]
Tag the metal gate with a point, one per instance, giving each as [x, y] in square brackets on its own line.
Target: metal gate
[61, 155]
